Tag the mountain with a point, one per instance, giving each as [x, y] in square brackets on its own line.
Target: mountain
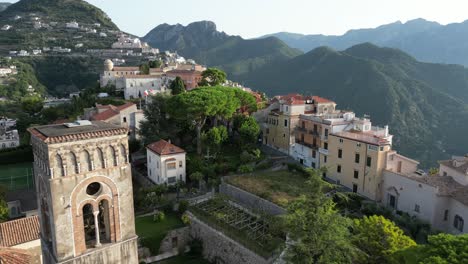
[204, 43]
[426, 105]
[4, 6]
[426, 41]
[42, 23]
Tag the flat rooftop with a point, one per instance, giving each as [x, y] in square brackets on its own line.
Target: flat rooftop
[63, 130]
[62, 133]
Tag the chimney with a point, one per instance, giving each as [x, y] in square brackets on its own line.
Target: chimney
[169, 141]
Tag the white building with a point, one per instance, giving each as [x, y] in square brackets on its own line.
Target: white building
[23, 53]
[72, 24]
[126, 42]
[127, 115]
[441, 200]
[9, 139]
[6, 27]
[36, 52]
[134, 86]
[111, 73]
[166, 162]
[5, 71]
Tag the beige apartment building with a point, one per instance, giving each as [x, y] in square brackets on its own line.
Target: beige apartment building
[279, 128]
[356, 158]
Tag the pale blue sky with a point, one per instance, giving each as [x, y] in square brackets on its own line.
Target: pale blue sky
[252, 18]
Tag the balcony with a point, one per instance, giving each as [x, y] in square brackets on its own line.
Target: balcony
[314, 132]
[324, 138]
[306, 144]
[303, 129]
[323, 151]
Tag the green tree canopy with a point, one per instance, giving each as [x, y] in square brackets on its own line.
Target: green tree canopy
[440, 249]
[249, 131]
[177, 86]
[379, 238]
[196, 106]
[216, 136]
[32, 104]
[155, 64]
[319, 232]
[144, 68]
[212, 77]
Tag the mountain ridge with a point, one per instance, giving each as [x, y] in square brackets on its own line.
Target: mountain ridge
[389, 85]
[203, 42]
[425, 40]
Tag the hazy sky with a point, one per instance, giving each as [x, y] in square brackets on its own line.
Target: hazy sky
[252, 18]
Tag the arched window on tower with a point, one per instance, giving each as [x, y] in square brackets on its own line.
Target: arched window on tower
[89, 226]
[113, 154]
[123, 152]
[60, 166]
[74, 163]
[101, 160]
[88, 163]
[104, 222]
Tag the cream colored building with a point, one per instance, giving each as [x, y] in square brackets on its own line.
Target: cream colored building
[134, 86]
[281, 121]
[356, 158]
[441, 200]
[166, 163]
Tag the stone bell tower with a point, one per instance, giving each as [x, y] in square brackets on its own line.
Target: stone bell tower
[84, 188]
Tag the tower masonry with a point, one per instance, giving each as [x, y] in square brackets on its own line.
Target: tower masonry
[85, 197]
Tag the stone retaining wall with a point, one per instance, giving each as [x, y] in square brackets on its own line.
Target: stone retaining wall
[250, 200]
[219, 248]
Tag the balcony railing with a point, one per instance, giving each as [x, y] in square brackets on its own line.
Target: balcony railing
[314, 132]
[306, 144]
[323, 151]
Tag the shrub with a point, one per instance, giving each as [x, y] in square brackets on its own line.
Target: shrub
[183, 205]
[246, 157]
[159, 217]
[246, 168]
[185, 219]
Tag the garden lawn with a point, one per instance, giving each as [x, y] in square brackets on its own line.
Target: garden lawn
[17, 176]
[152, 233]
[279, 187]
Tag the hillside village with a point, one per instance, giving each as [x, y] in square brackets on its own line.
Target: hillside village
[166, 160]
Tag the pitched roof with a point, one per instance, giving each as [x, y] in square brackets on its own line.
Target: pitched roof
[14, 256]
[19, 231]
[321, 100]
[462, 166]
[162, 147]
[446, 186]
[110, 112]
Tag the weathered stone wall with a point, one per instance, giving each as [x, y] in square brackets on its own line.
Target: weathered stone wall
[219, 248]
[182, 235]
[250, 200]
[122, 252]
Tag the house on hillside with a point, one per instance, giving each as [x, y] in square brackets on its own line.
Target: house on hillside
[166, 162]
[441, 200]
[127, 115]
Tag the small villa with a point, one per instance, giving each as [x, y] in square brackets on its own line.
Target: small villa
[166, 162]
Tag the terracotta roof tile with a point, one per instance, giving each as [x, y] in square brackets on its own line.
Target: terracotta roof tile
[111, 112]
[162, 147]
[19, 231]
[321, 100]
